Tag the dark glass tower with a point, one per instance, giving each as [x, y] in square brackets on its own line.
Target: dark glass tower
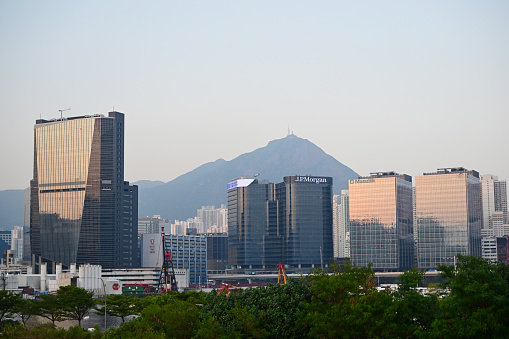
[305, 218]
[249, 224]
[82, 211]
[290, 222]
[381, 221]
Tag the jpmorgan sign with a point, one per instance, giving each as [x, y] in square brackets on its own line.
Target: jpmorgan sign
[311, 180]
[361, 181]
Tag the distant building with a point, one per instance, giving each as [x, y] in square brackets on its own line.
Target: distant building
[341, 230]
[449, 216]
[494, 199]
[152, 224]
[217, 252]
[381, 221]
[212, 219]
[81, 209]
[17, 242]
[5, 240]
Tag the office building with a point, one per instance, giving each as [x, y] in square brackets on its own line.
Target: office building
[217, 252]
[449, 216]
[289, 222]
[189, 252]
[341, 231]
[381, 221]
[494, 199]
[81, 209]
[305, 220]
[5, 240]
[254, 240]
[17, 242]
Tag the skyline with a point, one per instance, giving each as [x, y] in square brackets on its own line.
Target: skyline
[405, 87]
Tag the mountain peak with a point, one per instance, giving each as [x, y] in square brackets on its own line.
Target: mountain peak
[206, 185]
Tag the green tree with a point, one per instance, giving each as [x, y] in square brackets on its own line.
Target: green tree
[346, 303]
[478, 303]
[50, 307]
[25, 309]
[76, 302]
[119, 305]
[8, 303]
[270, 311]
[411, 313]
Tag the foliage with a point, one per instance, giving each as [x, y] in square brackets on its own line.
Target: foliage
[8, 304]
[25, 309]
[256, 312]
[49, 306]
[345, 303]
[76, 302]
[119, 305]
[48, 330]
[478, 303]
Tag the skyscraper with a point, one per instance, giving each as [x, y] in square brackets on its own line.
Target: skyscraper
[381, 221]
[449, 216]
[81, 210]
[341, 221]
[252, 224]
[494, 199]
[305, 219]
[290, 222]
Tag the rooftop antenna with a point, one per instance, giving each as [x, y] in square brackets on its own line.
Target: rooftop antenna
[63, 110]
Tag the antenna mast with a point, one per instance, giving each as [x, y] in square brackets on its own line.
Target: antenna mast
[63, 110]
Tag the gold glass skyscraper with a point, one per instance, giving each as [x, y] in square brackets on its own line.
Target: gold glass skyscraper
[381, 222]
[82, 211]
[448, 215]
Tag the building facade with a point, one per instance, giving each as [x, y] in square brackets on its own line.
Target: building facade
[381, 221]
[253, 235]
[449, 216]
[81, 209]
[289, 222]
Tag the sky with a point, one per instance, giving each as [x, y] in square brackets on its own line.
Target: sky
[405, 86]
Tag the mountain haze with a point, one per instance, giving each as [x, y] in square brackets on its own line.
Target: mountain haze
[206, 185]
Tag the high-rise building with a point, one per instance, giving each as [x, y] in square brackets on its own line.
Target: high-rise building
[494, 199]
[81, 209]
[381, 221]
[449, 216]
[341, 230]
[17, 242]
[305, 220]
[290, 222]
[254, 240]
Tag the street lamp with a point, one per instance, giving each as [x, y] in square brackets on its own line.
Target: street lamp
[104, 286]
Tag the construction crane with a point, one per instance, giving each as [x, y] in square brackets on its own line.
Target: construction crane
[63, 110]
[282, 278]
[167, 275]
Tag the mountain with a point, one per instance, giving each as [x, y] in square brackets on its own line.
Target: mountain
[206, 185]
[11, 209]
[142, 184]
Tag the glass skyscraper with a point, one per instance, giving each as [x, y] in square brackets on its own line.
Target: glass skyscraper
[448, 215]
[81, 210]
[290, 222]
[305, 218]
[381, 221]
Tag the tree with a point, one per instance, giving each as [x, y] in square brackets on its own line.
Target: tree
[25, 309]
[478, 303]
[8, 303]
[346, 303]
[119, 305]
[50, 307]
[76, 302]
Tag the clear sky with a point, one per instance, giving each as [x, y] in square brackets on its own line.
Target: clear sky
[408, 86]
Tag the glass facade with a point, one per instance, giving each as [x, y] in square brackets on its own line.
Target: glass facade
[305, 216]
[290, 222]
[252, 225]
[381, 222]
[189, 252]
[81, 208]
[448, 215]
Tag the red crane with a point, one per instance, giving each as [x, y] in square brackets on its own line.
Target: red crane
[167, 275]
